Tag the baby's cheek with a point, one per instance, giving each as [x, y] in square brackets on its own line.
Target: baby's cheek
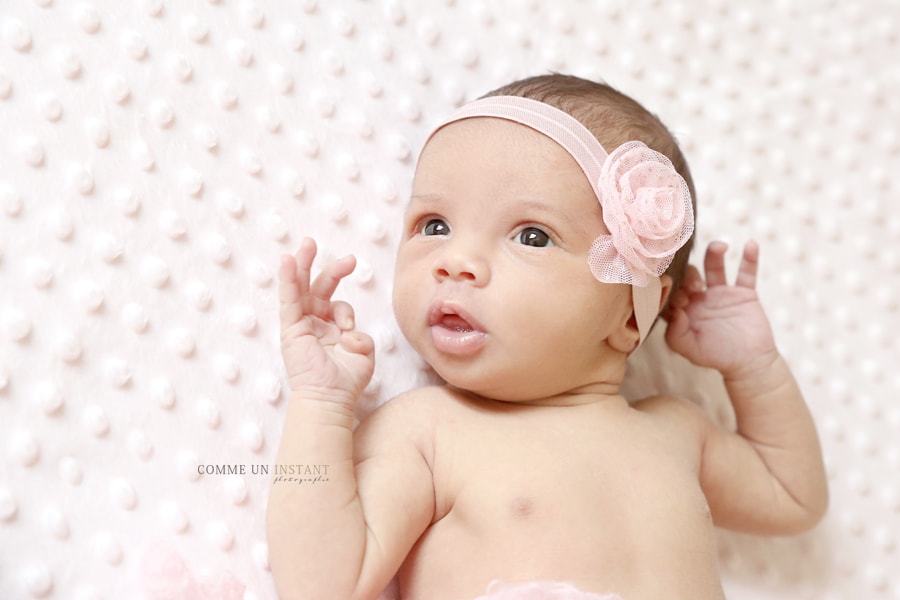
[405, 310]
[402, 302]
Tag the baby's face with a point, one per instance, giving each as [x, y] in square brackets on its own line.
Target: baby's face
[492, 284]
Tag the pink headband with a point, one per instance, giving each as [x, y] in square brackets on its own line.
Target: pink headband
[646, 203]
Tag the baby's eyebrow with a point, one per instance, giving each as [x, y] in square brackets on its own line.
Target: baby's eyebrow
[539, 207]
[424, 198]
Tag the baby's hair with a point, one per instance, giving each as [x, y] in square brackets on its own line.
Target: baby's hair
[614, 119]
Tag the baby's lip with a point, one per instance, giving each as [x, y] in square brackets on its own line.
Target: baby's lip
[442, 309]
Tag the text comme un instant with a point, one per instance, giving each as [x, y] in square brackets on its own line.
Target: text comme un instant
[241, 469]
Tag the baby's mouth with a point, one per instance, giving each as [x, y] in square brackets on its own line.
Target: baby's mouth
[453, 331]
[452, 316]
[455, 322]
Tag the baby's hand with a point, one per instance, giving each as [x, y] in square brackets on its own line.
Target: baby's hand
[325, 356]
[719, 326]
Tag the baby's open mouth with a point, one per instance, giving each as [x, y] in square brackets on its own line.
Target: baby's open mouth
[455, 323]
[453, 331]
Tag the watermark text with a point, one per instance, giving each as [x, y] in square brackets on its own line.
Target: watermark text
[288, 473]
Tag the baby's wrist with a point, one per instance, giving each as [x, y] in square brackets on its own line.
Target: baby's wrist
[756, 368]
[330, 406]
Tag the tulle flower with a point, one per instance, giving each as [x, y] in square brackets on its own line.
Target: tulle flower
[647, 209]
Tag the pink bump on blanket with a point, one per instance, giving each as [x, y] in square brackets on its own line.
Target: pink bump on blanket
[166, 576]
[541, 590]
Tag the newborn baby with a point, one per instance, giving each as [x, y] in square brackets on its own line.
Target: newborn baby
[532, 263]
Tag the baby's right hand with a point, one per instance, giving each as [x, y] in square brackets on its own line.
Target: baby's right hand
[324, 355]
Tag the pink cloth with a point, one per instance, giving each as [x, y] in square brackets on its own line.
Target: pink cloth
[166, 576]
[541, 590]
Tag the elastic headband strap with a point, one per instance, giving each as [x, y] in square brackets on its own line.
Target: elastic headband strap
[556, 124]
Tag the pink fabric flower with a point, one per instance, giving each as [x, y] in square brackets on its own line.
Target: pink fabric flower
[647, 209]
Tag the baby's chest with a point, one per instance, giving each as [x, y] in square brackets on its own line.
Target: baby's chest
[548, 478]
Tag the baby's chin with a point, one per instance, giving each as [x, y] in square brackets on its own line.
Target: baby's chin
[474, 389]
[487, 385]
[518, 391]
[510, 394]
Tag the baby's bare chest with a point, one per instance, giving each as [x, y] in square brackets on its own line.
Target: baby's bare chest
[550, 472]
[583, 503]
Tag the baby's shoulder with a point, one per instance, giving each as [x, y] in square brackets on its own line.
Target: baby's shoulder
[417, 408]
[671, 413]
[400, 425]
[426, 399]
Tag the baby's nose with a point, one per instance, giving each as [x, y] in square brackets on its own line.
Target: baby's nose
[461, 263]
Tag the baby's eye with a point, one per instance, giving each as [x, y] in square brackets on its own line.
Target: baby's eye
[436, 227]
[532, 236]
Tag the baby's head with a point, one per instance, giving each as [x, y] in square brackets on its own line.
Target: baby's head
[533, 261]
[614, 119]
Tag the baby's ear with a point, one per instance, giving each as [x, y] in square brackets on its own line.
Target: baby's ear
[628, 337]
[625, 338]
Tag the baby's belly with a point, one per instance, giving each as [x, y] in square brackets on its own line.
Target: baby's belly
[599, 547]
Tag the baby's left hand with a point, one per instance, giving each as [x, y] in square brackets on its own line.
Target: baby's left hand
[717, 325]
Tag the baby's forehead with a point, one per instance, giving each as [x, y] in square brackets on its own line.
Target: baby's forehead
[496, 135]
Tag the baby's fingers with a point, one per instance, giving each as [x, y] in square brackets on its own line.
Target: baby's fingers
[344, 316]
[678, 331]
[327, 281]
[288, 292]
[293, 273]
[693, 282]
[357, 342]
[306, 254]
[714, 264]
[746, 276]
[293, 280]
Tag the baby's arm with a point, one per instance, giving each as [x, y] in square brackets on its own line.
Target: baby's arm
[769, 476]
[344, 535]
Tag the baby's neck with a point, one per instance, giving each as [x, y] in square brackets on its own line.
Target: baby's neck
[595, 394]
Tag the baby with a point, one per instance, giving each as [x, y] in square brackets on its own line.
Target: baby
[549, 225]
